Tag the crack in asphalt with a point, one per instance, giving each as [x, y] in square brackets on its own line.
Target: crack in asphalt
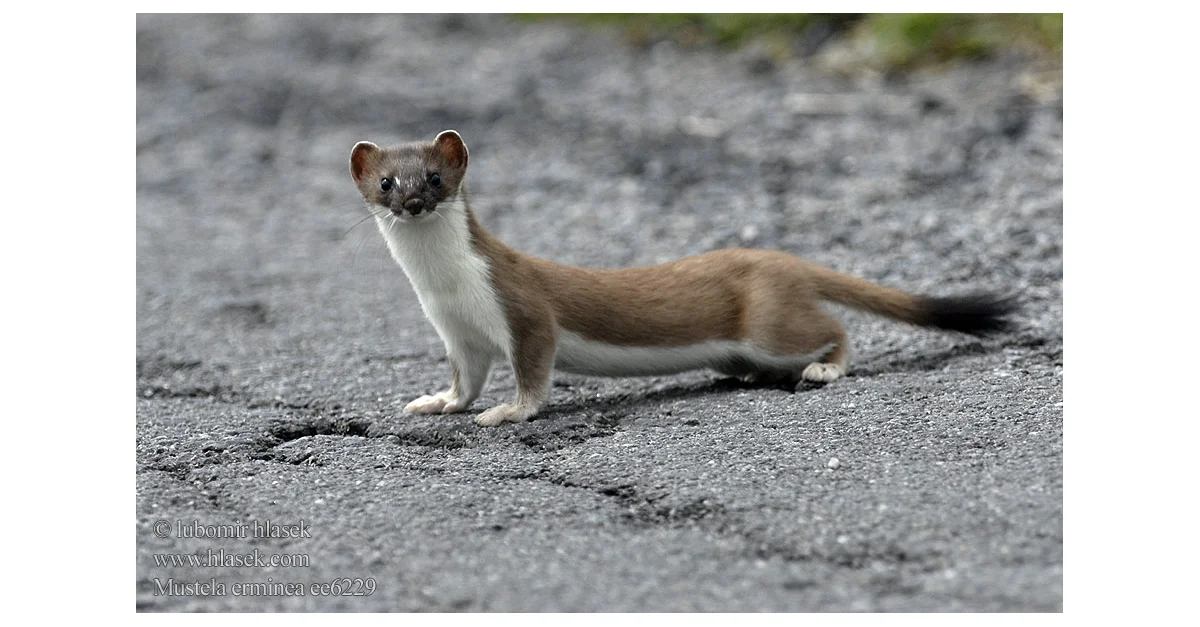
[640, 509]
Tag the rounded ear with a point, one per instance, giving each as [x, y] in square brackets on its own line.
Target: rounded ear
[362, 157]
[452, 148]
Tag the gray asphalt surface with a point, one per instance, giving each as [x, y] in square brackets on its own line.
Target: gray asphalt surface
[277, 342]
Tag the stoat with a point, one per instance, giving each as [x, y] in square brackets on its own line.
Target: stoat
[749, 313]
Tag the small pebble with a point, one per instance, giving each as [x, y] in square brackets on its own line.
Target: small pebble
[833, 464]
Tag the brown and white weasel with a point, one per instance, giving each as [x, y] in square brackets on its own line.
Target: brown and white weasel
[752, 313]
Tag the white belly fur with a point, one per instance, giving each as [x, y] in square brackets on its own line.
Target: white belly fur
[581, 356]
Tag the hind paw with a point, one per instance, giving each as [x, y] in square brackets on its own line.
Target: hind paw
[821, 373]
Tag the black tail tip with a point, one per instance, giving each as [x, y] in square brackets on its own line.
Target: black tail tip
[977, 314]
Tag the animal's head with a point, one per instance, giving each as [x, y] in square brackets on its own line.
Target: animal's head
[411, 180]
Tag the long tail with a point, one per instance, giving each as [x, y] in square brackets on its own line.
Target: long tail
[977, 314]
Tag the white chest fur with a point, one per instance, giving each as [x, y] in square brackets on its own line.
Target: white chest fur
[452, 280]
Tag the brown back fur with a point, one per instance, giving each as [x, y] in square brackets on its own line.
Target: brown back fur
[732, 294]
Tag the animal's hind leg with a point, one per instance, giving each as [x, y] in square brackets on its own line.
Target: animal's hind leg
[814, 338]
[821, 332]
[831, 366]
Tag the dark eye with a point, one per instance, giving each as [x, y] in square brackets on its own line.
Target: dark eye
[385, 184]
[435, 179]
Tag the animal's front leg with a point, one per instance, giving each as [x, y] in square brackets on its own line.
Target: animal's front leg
[469, 371]
[532, 363]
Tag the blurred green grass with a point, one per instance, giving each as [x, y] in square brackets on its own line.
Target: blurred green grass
[908, 40]
[726, 29]
[890, 41]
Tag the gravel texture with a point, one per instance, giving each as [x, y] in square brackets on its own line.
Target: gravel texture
[277, 341]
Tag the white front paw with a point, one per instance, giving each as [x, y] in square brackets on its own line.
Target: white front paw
[454, 405]
[429, 404]
[505, 413]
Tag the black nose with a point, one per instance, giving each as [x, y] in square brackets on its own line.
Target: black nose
[414, 205]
